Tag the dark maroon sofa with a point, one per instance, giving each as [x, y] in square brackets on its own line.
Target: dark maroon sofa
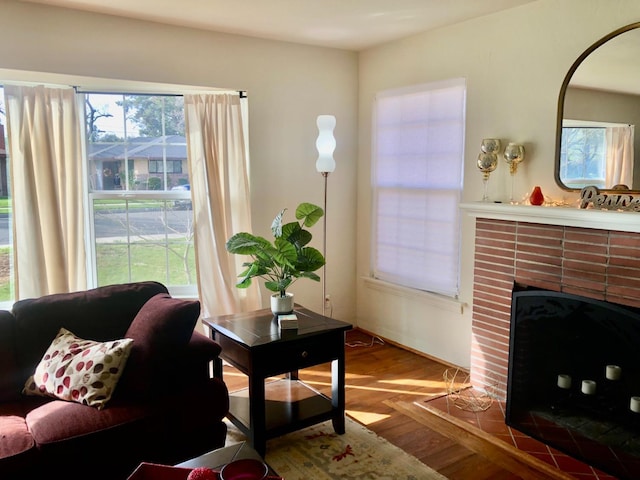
[165, 407]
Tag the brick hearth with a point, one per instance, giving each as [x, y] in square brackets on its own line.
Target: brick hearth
[596, 263]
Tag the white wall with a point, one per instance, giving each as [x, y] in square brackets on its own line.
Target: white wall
[514, 63]
[288, 86]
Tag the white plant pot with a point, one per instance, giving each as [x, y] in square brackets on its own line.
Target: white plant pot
[281, 305]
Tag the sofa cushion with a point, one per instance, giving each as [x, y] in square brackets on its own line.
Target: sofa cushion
[79, 370]
[15, 437]
[160, 332]
[58, 421]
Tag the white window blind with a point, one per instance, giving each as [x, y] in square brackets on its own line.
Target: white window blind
[418, 160]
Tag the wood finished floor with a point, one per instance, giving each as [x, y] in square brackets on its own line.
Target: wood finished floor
[379, 376]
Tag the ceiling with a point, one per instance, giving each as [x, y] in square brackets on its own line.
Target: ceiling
[345, 24]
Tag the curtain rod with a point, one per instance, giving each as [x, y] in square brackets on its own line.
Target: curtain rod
[241, 93]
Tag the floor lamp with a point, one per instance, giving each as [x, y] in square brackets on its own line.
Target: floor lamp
[326, 144]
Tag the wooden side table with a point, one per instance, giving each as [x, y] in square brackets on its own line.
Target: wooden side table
[254, 344]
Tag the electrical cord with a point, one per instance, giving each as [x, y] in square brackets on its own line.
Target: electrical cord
[360, 343]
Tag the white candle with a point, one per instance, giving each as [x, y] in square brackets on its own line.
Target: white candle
[634, 404]
[564, 381]
[613, 372]
[588, 387]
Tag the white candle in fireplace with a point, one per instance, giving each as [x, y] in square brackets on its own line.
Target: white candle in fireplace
[634, 404]
[588, 387]
[564, 381]
[613, 372]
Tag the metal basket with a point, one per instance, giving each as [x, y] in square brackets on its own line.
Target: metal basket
[465, 396]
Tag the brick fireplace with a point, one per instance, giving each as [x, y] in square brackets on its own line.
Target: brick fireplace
[555, 254]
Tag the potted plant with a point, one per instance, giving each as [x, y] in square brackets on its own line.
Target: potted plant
[283, 261]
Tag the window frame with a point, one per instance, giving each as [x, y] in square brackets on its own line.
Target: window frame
[90, 195]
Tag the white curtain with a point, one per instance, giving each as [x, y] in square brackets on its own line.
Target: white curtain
[619, 161]
[218, 170]
[45, 152]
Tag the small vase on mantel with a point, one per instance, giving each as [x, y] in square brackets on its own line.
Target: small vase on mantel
[536, 197]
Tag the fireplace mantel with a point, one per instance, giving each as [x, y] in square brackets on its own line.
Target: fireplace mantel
[566, 216]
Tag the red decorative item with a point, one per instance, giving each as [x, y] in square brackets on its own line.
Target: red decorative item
[536, 197]
[202, 473]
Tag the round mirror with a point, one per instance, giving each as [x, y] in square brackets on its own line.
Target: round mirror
[598, 109]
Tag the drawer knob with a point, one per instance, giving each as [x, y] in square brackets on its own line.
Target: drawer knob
[305, 354]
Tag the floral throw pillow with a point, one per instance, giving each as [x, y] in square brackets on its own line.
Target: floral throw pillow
[78, 370]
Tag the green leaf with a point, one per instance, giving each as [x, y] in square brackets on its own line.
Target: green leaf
[246, 244]
[294, 234]
[276, 225]
[285, 253]
[279, 286]
[310, 276]
[310, 260]
[309, 213]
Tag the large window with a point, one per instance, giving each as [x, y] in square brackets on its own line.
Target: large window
[418, 150]
[140, 215]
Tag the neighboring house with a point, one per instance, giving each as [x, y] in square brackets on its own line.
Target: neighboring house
[138, 160]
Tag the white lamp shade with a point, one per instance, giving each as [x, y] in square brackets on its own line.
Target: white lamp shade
[326, 143]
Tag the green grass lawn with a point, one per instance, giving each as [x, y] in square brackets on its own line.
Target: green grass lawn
[171, 264]
[5, 205]
[148, 262]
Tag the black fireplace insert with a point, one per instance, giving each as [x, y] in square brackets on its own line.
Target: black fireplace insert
[574, 377]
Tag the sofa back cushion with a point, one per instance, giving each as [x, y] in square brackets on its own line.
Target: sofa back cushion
[10, 381]
[161, 332]
[101, 314]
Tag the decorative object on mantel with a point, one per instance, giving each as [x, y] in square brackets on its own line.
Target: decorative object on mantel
[536, 197]
[513, 155]
[609, 201]
[488, 161]
[285, 260]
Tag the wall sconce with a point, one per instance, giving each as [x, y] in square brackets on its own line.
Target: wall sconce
[325, 164]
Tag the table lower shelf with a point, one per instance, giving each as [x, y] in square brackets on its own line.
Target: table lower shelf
[289, 406]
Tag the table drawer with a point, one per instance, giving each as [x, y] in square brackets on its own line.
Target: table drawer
[281, 358]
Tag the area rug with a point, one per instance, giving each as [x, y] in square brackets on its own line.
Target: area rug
[318, 453]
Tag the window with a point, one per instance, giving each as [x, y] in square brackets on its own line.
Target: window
[583, 156]
[140, 210]
[417, 184]
[173, 166]
[6, 237]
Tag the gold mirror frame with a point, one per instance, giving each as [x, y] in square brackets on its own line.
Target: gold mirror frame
[561, 98]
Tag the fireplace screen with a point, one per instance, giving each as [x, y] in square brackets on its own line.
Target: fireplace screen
[574, 377]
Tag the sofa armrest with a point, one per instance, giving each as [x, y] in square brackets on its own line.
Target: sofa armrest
[200, 352]
[204, 347]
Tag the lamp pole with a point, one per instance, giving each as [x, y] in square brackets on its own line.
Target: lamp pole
[326, 144]
[324, 245]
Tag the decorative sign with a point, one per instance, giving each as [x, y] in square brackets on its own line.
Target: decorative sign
[609, 201]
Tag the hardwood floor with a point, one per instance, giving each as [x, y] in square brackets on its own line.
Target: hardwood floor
[379, 378]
